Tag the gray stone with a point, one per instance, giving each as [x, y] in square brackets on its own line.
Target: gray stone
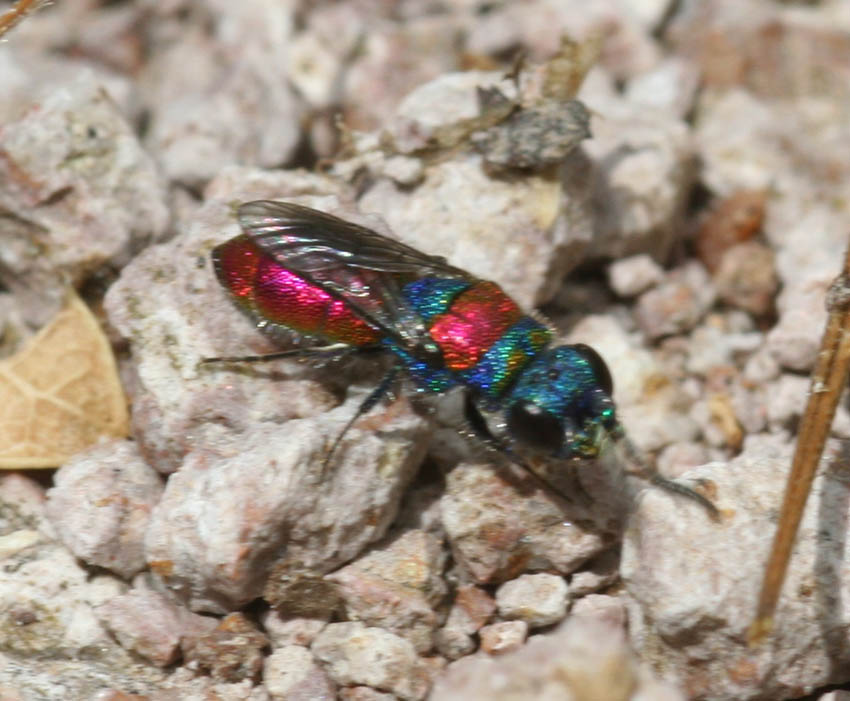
[357, 654]
[263, 498]
[537, 599]
[81, 191]
[497, 528]
[233, 107]
[488, 225]
[397, 586]
[101, 503]
[292, 674]
[631, 276]
[503, 636]
[584, 658]
[693, 583]
[150, 625]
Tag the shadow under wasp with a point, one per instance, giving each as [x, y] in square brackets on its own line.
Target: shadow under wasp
[301, 270]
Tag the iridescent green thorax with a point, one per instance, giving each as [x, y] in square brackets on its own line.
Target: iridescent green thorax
[484, 338]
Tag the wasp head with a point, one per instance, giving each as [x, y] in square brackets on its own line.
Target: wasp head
[561, 404]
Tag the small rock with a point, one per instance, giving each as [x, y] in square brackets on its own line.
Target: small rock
[761, 367]
[289, 630]
[471, 609]
[631, 276]
[150, 625]
[292, 674]
[404, 170]
[24, 505]
[676, 305]
[73, 171]
[714, 344]
[231, 652]
[835, 696]
[671, 86]
[730, 221]
[607, 609]
[537, 599]
[452, 642]
[669, 547]
[583, 659]
[601, 572]
[357, 654]
[100, 506]
[497, 531]
[643, 167]
[788, 397]
[397, 587]
[276, 506]
[746, 278]
[504, 636]
[47, 600]
[795, 339]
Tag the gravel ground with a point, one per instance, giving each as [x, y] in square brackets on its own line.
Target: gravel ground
[665, 181]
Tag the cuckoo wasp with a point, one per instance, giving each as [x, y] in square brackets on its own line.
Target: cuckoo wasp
[356, 291]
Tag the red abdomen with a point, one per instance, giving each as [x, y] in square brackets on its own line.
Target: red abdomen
[271, 293]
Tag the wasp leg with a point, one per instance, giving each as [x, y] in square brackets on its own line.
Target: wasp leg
[482, 432]
[335, 350]
[649, 473]
[372, 399]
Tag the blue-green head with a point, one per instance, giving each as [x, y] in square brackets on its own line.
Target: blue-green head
[561, 404]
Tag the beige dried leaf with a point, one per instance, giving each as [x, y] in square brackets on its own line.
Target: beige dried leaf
[60, 393]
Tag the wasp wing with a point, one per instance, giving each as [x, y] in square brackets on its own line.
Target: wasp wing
[350, 262]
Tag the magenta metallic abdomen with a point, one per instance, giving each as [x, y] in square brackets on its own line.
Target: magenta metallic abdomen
[269, 292]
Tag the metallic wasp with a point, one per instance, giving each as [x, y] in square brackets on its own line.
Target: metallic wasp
[297, 269]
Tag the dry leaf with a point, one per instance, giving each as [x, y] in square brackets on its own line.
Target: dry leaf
[60, 393]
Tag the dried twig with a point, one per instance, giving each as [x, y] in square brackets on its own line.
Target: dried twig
[828, 380]
[17, 12]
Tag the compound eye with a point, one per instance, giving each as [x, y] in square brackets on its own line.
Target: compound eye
[535, 427]
[600, 369]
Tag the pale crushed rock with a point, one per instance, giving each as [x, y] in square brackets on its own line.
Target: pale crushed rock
[100, 506]
[471, 609]
[291, 673]
[584, 658]
[630, 276]
[677, 304]
[700, 606]
[262, 499]
[397, 586]
[536, 599]
[150, 625]
[284, 630]
[74, 172]
[503, 636]
[357, 654]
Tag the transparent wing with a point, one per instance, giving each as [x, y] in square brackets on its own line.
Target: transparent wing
[353, 263]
